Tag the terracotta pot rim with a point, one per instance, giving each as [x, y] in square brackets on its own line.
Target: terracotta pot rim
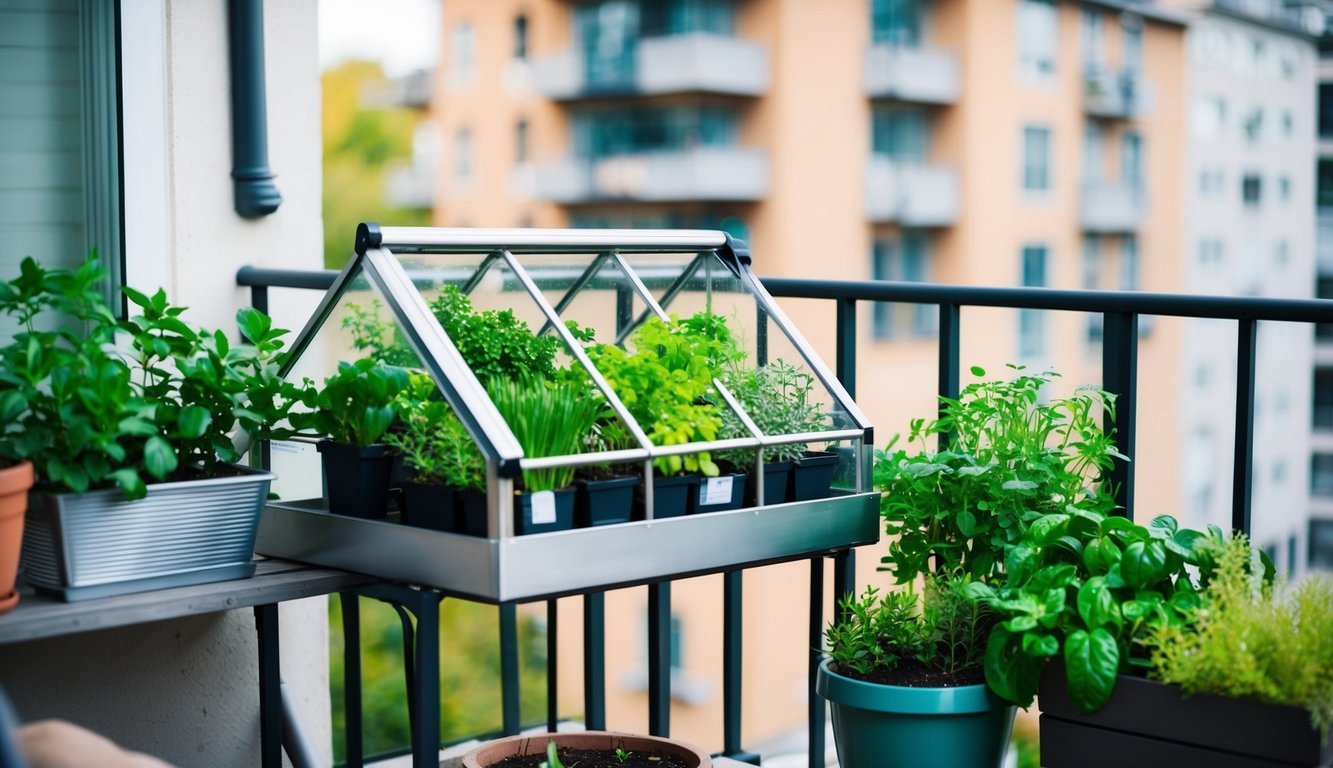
[499, 748]
[16, 479]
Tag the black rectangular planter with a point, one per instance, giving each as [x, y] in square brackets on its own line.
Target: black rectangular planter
[812, 477]
[606, 501]
[430, 505]
[777, 483]
[472, 512]
[356, 478]
[721, 493]
[1150, 723]
[672, 496]
[532, 514]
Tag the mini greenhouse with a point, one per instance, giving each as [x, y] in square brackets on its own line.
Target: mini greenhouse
[572, 409]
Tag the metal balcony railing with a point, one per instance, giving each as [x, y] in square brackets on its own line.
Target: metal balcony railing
[699, 173]
[908, 73]
[698, 62]
[1114, 93]
[1110, 207]
[1120, 313]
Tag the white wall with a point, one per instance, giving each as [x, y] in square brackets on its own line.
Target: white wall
[187, 690]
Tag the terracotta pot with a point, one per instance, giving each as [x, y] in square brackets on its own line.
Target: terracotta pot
[493, 752]
[14, 484]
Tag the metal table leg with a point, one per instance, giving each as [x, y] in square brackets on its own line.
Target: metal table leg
[270, 686]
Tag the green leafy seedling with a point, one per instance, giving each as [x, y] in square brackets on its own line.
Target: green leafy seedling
[622, 754]
[552, 757]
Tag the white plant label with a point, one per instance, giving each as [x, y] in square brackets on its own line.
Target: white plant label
[715, 490]
[543, 507]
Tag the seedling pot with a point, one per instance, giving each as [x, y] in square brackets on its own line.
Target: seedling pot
[430, 505]
[356, 478]
[721, 493]
[543, 511]
[812, 477]
[672, 496]
[472, 512]
[883, 725]
[604, 502]
[777, 482]
[99, 544]
[1150, 723]
[492, 752]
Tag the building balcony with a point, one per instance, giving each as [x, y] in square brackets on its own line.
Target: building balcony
[1114, 93]
[698, 62]
[927, 75]
[1110, 207]
[702, 173]
[911, 195]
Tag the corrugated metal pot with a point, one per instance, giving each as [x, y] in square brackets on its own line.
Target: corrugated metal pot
[98, 544]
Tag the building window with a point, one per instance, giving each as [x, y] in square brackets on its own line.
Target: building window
[1293, 547]
[907, 259]
[1036, 158]
[599, 133]
[1131, 55]
[521, 37]
[1321, 474]
[1210, 118]
[1211, 182]
[1323, 289]
[1284, 188]
[463, 55]
[1321, 545]
[1092, 280]
[1131, 159]
[1253, 125]
[1288, 124]
[1038, 34]
[1326, 110]
[1250, 189]
[896, 22]
[899, 134]
[1282, 253]
[1031, 322]
[463, 161]
[1090, 37]
[1131, 278]
[521, 142]
[1322, 412]
[1324, 183]
[1210, 252]
[608, 33]
[660, 18]
[1092, 151]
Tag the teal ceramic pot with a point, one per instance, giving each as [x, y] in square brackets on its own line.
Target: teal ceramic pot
[881, 726]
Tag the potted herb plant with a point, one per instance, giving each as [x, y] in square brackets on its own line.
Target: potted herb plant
[586, 749]
[125, 419]
[1240, 673]
[778, 399]
[547, 419]
[353, 410]
[905, 682]
[441, 461]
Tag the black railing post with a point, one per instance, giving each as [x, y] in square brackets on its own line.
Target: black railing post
[509, 702]
[1120, 373]
[845, 364]
[1242, 473]
[948, 383]
[844, 577]
[353, 749]
[659, 659]
[270, 686]
[815, 725]
[425, 605]
[552, 668]
[594, 661]
[732, 664]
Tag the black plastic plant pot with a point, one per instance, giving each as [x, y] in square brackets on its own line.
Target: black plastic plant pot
[777, 482]
[1149, 723]
[472, 512]
[543, 511]
[430, 505]
[812, 477]
[721, 493]
[604, 502]
[356, 478]
[672, 497]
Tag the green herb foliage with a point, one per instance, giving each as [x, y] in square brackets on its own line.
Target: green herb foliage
[1089, 587]
[377, 338]
[779, 399]
[552, 756]
[1009, 458]
[433, 442]
[90, 416]
[356, 405]
[1250, 639]
[547, 419]
[496, 344]
[667, 383]
[879, 631]
[622, 754]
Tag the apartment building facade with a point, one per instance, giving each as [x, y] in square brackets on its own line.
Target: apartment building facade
[1320, 543]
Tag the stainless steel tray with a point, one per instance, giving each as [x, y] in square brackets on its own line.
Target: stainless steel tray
[530, 567]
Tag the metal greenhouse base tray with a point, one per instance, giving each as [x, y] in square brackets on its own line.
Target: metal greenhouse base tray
[552, 564]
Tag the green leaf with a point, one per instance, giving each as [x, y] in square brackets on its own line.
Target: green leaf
[978, 371]
[159, 457]
[1095, 603]
[966, 522]
[193, 421]
[1047, 528]
[1143, 564]
[130, 482]
[1092, 660]
[1116, 523]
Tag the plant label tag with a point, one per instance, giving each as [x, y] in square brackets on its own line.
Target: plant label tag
[715, 490]
[543, 507]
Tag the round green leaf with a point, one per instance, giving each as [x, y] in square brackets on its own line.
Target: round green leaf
[159, 457]
[1092, 660]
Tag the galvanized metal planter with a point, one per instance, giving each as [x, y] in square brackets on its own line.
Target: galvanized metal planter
[98, 544]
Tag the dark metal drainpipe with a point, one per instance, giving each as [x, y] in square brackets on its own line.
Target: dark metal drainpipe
[255, 193]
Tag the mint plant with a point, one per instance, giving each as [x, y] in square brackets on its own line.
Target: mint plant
[1009, 457]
